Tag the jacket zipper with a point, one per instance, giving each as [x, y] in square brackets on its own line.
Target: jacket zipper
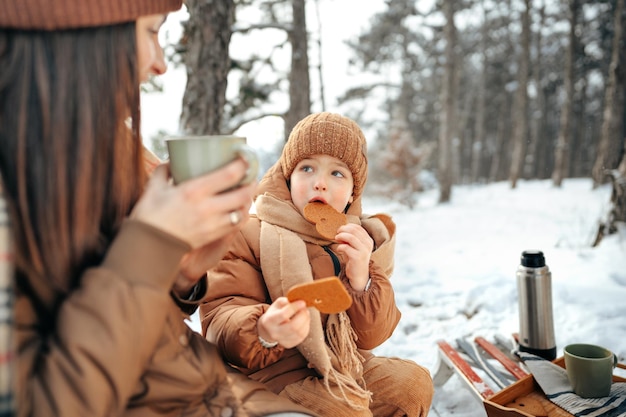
[336, 263]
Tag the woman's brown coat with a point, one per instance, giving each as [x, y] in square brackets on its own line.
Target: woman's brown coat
[121, 347]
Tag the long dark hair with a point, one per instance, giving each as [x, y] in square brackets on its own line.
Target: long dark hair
[70, 149]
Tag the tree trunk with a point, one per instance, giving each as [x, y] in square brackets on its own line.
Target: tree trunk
[531, 165]
[479, 127]
[299, 82]
[206, 40]
[545, 153]
[498, 151]
[611, 113]
[448, 95]
[319, 56]
[561, 153]
[461, 148]
[520, 117]
[617, 208]
[577, 154]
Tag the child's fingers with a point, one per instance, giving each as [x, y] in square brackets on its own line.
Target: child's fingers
[300, 321]
[281, 310]
[356, 238]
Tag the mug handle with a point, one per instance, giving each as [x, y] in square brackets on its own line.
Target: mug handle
[248, 154]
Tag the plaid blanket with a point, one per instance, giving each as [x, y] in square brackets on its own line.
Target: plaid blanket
[7, 402]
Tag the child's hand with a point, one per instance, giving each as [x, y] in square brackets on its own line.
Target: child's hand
[357, 245]
[284, 322]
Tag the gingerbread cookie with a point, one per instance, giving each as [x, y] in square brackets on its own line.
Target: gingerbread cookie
[327, 220]
[328, 295]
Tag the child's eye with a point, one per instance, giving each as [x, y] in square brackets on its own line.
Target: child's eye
[306, 168]
[338, 174]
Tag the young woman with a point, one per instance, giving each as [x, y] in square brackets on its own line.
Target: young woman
[106, 263]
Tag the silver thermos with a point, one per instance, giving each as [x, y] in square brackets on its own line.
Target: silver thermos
[534, 286]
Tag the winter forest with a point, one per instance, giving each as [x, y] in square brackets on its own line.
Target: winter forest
[454, 91]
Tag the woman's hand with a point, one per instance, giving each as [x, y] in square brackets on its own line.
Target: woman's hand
[196, 263]
[284, 322]
[196, 211]
[356, 245]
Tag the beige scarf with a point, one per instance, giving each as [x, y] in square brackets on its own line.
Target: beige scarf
[284, 263]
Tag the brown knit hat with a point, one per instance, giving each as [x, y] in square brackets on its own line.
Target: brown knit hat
[328, 134]
[71, 14]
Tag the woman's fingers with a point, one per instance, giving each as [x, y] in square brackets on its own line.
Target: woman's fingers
[217, 181]
[196, 210]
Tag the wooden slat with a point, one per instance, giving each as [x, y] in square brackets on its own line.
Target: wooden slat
[497, 354]
[465, 370]
[501, 378]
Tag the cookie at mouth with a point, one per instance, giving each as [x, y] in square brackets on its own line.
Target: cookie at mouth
[326, 219]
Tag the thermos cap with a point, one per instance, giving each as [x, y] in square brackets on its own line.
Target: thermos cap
[533, 259]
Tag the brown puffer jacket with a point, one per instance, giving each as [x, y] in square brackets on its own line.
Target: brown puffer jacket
[121, 347]
[239, 296]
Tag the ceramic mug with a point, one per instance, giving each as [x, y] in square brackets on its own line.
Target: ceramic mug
[192, 156]
[589, 369]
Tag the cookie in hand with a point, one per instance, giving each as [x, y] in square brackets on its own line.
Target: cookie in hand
[326, 219]
[328, 295]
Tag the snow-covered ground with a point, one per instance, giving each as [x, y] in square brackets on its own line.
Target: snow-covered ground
[456, 263]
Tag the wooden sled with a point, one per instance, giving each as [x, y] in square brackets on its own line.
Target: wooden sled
[521, 398]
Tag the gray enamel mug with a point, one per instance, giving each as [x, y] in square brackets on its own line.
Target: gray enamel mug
[589, 369]
[193, 156]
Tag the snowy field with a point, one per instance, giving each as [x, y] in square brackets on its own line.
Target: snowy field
[456, 263]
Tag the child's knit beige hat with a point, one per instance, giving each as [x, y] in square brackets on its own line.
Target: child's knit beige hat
[328, 134]
[71, 14]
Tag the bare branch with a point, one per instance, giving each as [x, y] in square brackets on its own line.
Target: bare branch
[246, 120]
[287, 27]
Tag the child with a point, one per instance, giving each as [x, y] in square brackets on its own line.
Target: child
[319, 361]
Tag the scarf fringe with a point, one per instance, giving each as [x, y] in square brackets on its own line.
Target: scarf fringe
[349, 378]
[348, 388]
[342, 342]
